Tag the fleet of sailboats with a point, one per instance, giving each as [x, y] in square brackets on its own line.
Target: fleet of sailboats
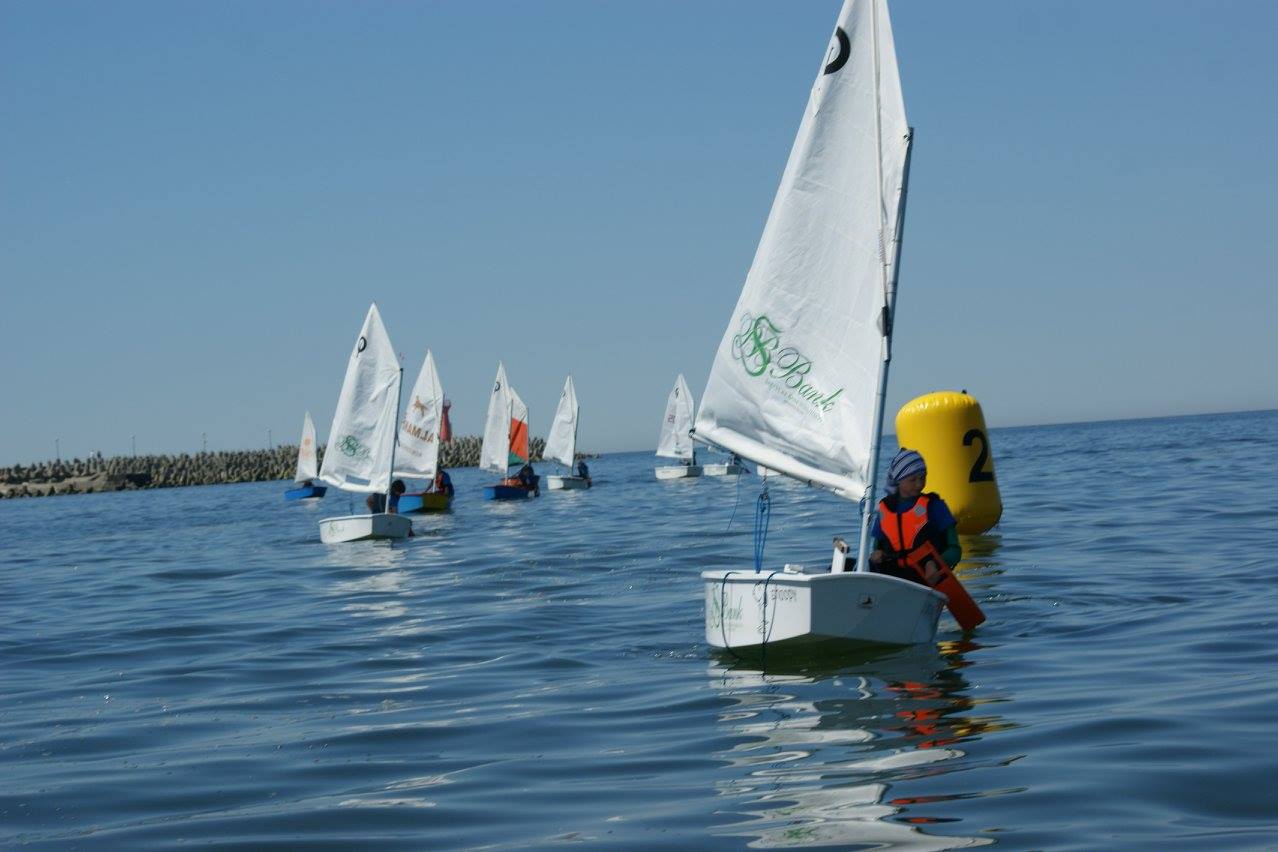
[797, 385]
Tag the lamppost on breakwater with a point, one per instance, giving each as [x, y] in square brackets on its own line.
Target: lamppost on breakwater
[204, 437]
[57, 449]
[134, 440]
[269, 445]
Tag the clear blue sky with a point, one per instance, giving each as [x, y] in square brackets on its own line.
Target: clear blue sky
[199, 200]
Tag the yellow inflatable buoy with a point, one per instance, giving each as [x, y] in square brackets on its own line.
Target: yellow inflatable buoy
[948, 429]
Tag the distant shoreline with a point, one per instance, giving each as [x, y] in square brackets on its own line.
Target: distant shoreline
[130, 473]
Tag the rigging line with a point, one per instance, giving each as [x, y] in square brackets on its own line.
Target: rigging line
[735, 503]
[762, 515]
[723, 613]
[767, 628]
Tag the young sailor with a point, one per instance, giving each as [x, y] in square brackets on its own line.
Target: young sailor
[910, 521]
[443, 483]
[526, 478]
[377, 502]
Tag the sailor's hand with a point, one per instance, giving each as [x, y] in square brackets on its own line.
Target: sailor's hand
[876, 557]
[931, 571]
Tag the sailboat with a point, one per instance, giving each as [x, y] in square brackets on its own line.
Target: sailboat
[306, 466]
[675, 441]
[506, 441]
[419, 438]
[561, 443]
[728, 468]
[799, 378]
[361, 444]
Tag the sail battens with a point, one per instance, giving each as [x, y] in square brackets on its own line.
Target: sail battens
[796, 374]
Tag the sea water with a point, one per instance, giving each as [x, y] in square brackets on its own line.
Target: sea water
[193, 667]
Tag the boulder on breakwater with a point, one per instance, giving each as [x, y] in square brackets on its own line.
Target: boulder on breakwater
[125, 473]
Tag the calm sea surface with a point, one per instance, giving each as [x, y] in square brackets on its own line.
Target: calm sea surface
[192, 666]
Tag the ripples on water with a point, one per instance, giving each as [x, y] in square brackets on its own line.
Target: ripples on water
[193, 666]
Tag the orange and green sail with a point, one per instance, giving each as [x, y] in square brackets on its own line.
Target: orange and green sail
[518, 441]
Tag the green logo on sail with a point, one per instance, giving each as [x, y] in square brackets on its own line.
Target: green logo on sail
[350, 446]
[758, 347]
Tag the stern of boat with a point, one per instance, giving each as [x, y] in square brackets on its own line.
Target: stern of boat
[427, 501]
[724, 470]
[748, 611]
[679, 471]
[364, 528]
[566, 483]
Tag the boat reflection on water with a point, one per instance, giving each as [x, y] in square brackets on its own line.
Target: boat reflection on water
[824, 750]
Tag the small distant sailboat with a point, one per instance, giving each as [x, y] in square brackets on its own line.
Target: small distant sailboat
[506, 441]
[561, 443]
[676, 440]
[728, 468]
[419, 439]
[361, 444]
[799, 379]
[307, 466]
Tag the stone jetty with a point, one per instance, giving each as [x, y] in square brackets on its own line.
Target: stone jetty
[123, 473]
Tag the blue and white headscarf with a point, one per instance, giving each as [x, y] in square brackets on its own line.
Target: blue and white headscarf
[905, 464]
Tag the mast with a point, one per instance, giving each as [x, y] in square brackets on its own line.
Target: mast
[399, 389]
[572, 457]
[868, 506]
[576, 422]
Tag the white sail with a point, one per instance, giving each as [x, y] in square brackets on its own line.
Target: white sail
[795, 378]
[494, 454]
[307, 464]
[675, 442]
[418, 453]
[361, 444]
[561, 441]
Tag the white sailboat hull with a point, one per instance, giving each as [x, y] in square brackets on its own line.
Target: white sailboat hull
[364, 527]
[849, 606]
[566, 483]
[679, 471]
[724, 470]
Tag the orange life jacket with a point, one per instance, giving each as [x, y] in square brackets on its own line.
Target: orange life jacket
[915, 544]
[903, 529]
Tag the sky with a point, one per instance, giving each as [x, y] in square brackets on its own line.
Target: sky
[198, 202]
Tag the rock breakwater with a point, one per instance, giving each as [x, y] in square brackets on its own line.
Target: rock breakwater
[122, 473]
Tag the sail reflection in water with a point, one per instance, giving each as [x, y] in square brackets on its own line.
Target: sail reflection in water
[817, 770]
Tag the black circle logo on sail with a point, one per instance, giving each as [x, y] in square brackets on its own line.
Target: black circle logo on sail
[362, 345]
[845, 50]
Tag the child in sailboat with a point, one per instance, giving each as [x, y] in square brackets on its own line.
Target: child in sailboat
[443, 482]
[582, 470]
[913, 526]
[377, 502]
[527, 477]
